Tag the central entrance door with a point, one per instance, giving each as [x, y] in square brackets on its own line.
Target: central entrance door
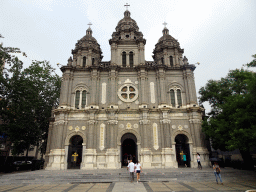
[182, 150]
[75, 152]
[129, 148]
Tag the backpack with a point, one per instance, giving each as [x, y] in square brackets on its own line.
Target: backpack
[217, 169]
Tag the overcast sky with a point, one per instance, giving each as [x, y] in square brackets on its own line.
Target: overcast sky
[221, 35]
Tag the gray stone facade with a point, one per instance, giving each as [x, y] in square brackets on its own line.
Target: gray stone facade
[109, 110]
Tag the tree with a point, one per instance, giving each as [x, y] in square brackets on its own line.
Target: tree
[27, 96]
[232, 122]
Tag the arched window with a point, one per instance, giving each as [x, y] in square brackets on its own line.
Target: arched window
[124, 59]
[80, 99]
[131, 59]
[179, 97]
[171, 61]
[93, 61]
[83, 99]
[84, 61]
[172, 98]
[176, 100]
[162, 59]
[77, 99]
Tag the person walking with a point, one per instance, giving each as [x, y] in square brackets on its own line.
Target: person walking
[131, 170]
[216, 170]
[185, 159]
[138, 169]
[199, 161]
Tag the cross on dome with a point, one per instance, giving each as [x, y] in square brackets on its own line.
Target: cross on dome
[89, 24]
[164, 24]
[126, 6]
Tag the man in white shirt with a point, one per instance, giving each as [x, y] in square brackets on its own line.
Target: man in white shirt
[131, 170]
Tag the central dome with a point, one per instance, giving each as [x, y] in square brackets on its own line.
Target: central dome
[127, 23]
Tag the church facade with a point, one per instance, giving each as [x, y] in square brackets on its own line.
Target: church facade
[110, 111]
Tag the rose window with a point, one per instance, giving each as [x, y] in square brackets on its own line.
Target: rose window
[128, 93]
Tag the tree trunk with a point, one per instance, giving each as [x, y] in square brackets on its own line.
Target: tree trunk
[248, 161]
[37, 145]
[26, 159]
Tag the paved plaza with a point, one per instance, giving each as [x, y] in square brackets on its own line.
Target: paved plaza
[182, 179]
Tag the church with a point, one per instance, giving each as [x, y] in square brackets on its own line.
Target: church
[110, 111]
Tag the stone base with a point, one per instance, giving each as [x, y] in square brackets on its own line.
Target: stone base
[112, 159]
[146, 158]
[56, 160]
[89, 159]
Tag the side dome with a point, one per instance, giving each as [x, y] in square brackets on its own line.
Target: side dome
[167, 51]
[87, 51]
[87, 42]
[168, 40]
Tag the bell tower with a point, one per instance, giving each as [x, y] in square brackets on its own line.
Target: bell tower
[127, 43]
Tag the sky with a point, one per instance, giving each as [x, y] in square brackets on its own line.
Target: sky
[220, 35]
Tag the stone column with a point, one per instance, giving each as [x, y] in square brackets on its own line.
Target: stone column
[112, 125]
[143, 77]
[192, 88]
[112, 81]
[186, 87]
[64, 88]
[161, 79]
[142, 54]
[144, 123]
[90, 138]
[94, 77]
[166, 123]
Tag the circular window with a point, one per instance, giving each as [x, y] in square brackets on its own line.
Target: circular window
[128, 93]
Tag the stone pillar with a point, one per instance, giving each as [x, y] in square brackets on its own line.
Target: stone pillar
[112, 81]
[142, 54]
[143, 76]
[64, 89]
[186, 87]
[161, 79]
[112, 125]
[192, 88]
[94, 78]
[90, 137]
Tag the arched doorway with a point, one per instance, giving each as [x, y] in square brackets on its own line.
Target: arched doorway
[75, 152]
[182, 148]
[128, 148]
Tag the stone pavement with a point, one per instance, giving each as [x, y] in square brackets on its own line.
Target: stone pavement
[182, 179]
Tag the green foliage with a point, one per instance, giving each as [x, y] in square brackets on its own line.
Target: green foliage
[232, 122]
[253, 62]
[27, 97]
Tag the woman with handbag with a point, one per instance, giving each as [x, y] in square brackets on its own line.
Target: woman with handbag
[216, 169]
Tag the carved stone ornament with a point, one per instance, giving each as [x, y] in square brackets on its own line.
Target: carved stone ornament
[77, 129]
[136, 82]
[128, 126]
[121, 126]
[144, 122]
[180, 128]
[194, 121]
[60, 122]
[83, 128]
[135, 125]
[113, 122]
[91, 122]
[185, 126]
[174, 126]
[165, 121]
[70, 128]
